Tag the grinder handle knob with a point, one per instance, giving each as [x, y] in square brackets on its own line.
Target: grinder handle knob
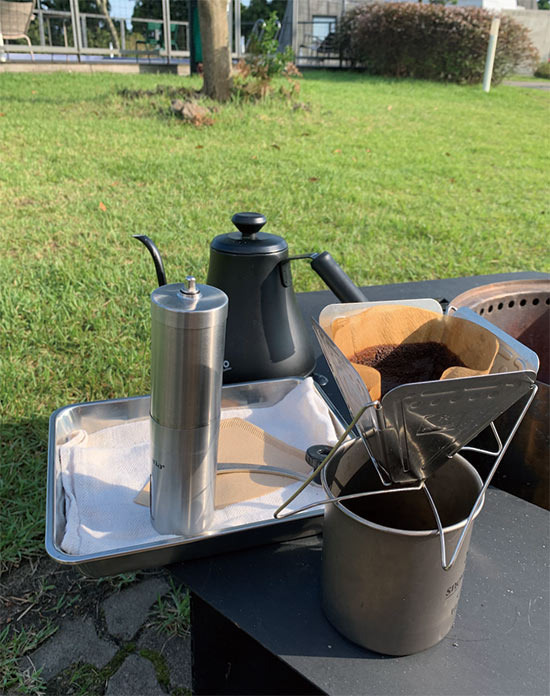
[249, 224]
[315, 455]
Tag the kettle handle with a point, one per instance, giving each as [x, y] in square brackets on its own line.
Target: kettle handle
[337, 280]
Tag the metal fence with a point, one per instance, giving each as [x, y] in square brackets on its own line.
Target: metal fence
[152, 30]
[310, 26]
[317, 43]
[102, 29]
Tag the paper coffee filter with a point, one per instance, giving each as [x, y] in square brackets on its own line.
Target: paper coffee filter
[241, 444]
[398, 324]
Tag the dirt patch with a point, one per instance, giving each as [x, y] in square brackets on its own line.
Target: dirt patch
[41, 590]
[23, 202]
[159, 91]
[35, 599]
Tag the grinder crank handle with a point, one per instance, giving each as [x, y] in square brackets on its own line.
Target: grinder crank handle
[337, 280]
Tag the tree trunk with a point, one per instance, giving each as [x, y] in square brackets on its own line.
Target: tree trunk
[110, 23]
[215, 49]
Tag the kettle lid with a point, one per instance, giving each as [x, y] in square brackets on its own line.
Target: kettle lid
[249, 239]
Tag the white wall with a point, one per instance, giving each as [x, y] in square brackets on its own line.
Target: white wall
[538, 23]
[489, 4]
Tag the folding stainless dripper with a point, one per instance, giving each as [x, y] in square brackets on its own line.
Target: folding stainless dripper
[418, 427]
[187, 345]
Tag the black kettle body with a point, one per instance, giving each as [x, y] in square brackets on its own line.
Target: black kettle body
[266, 337]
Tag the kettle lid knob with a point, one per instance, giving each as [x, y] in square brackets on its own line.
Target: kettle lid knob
[249, 224]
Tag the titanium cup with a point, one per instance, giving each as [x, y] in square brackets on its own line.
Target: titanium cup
[383, 583]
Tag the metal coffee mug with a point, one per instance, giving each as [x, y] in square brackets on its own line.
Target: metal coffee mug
[383, 583]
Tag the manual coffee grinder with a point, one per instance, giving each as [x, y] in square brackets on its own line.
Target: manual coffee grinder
[187, 346]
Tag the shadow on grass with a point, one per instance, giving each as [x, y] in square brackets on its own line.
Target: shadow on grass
[59, 96]
[360, 76]
[23, 470]
[65, 89]
[346, 75]
[342, 75]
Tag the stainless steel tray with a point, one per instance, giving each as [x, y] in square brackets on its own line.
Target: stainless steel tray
[97, 415]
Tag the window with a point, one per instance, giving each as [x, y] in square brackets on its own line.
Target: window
[323, 25]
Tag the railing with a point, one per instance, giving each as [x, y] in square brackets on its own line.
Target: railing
[67, 32]
[317, 44]
[76, 34]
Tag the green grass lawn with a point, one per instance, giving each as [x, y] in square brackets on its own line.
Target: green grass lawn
[399, 180]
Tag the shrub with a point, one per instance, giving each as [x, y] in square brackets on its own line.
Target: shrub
[264, 57]
[263, 62]
[543, 70]
[432, 42]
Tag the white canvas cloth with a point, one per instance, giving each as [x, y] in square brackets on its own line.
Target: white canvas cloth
[102, 472]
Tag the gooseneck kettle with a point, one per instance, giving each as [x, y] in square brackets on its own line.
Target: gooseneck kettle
[266, 337]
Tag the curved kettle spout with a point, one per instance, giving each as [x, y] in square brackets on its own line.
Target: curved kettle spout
[157, 258]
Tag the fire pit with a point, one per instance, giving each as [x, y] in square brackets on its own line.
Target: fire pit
[522, 309]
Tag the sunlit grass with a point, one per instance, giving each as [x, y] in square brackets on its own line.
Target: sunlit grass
[399, 180]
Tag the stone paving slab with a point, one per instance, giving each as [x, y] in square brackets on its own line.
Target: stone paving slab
[75, 641]
[126, 611]
[127, 615]
[176, 652]
[135, 676]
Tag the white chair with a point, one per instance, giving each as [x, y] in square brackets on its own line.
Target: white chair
[15, 18]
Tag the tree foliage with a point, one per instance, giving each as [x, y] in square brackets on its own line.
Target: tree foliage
[260, 9]
[263, 55]
[262, 63]
[152, 9]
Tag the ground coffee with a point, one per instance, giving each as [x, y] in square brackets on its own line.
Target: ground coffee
[408, 362]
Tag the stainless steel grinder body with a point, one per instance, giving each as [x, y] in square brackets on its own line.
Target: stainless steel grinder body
[187, 346]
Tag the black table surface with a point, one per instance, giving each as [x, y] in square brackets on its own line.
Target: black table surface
[499, 643]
